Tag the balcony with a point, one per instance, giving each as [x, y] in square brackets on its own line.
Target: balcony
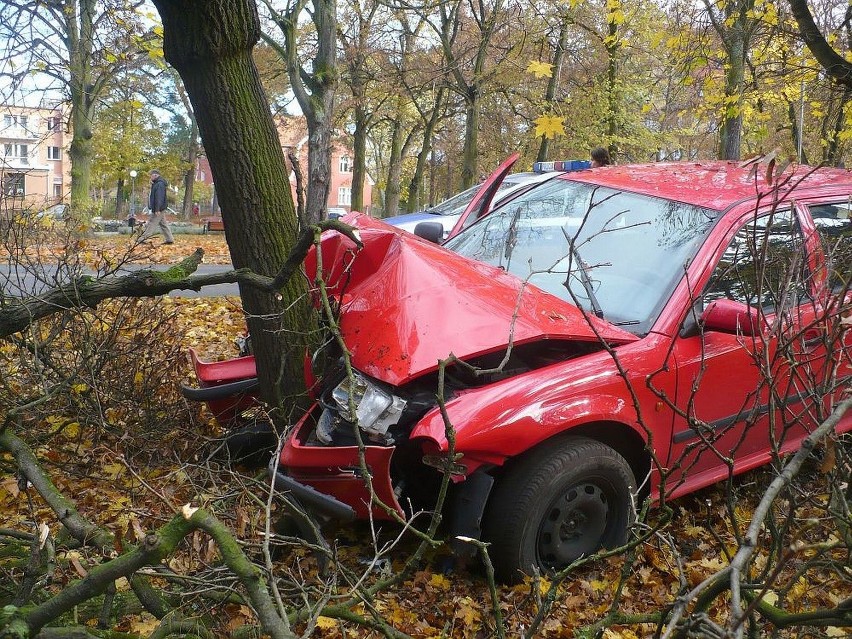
[11, 162]
[17, 132]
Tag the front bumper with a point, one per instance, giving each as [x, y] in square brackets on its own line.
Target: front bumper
[329, 480]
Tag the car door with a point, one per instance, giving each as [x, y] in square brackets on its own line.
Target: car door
[481, 203]
[832, 223]
[732, 385]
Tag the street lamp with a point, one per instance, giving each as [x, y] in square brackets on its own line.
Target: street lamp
[133, 175]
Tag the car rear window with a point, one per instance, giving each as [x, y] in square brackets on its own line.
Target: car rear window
[834, 225]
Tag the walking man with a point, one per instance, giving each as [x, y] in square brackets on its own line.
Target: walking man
[157, 205]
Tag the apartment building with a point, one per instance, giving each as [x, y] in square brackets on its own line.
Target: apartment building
[34, 168]
[293, 133]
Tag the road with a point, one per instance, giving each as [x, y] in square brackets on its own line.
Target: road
[20, 281]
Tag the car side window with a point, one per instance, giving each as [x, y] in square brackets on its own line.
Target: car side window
[834, 224]
[763, 266]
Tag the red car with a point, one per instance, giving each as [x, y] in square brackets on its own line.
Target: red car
[609, 334]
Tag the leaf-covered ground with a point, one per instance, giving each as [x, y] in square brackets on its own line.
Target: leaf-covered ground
[129, 495]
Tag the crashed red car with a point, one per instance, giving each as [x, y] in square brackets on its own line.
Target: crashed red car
[612, 323]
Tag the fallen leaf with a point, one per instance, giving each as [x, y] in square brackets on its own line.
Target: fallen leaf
[326, 623]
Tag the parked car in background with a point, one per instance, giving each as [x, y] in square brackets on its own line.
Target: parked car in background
[451, 210]
[613, 324]
[57, 212]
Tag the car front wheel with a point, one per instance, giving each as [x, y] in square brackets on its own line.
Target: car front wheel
[557, 504]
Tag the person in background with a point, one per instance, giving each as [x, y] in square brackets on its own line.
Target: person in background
[600, 157]
[157, 206]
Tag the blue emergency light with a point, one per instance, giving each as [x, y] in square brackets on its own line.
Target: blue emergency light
[562, 165]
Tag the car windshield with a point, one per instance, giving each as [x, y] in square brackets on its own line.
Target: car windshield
[611, 252]
[458, 203]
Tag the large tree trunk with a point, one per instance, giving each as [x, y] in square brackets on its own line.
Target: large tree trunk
[553, 82]
[830, 59]
[79, 30]
[209, 42]
[319, 166]
[612, 92]
[119, 199]
[359, 167]
[732, 118]
[470, 153]
[189, 176]
[314, 92]
[416, 199]
[394, 168]
[80, 150]
[831, 153]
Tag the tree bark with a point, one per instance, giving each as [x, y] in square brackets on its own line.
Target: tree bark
[189, 177]
[80, 36]
[392, 191]
[833, 62]
[733, 26]
[209, 42]
[553, 82]
[732, 119]
[470, 152]
[359, 164]
[416, 190]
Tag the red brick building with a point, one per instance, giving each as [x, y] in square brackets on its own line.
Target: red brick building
[292, 131]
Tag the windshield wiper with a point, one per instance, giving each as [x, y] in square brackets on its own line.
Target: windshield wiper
[584, 277]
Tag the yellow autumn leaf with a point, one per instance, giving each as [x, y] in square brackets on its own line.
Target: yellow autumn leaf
[540, 69]
[72, 430]
[799, 589]
[598, 585]
[439, 581]
[112, 471]
[326, 623]
[80, 388]
[138, 378]
[144, 624]
[549, 126]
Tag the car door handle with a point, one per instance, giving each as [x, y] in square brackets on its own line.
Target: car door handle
[813, 337]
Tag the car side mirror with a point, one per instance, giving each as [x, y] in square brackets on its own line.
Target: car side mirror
[728, 316]
[432, 231]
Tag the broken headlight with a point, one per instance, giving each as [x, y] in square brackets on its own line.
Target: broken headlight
[375, 410]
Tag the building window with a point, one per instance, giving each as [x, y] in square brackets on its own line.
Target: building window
[54, 153]
[57, 190]
[344, 196]
[345, 164]
[15, 121]
[13, 184]
[52, 124]
[18, 152]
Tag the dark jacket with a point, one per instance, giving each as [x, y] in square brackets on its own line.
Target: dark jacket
[157, 199]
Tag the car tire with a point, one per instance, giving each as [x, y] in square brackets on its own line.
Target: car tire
[556, 504]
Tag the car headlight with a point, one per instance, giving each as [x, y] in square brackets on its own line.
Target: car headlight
[375, 409]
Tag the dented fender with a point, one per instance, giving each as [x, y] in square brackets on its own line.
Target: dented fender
[502, 420]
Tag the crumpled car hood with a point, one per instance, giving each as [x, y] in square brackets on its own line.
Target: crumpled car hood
[407, 303]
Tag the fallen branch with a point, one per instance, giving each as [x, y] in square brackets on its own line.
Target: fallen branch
[87, 291]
